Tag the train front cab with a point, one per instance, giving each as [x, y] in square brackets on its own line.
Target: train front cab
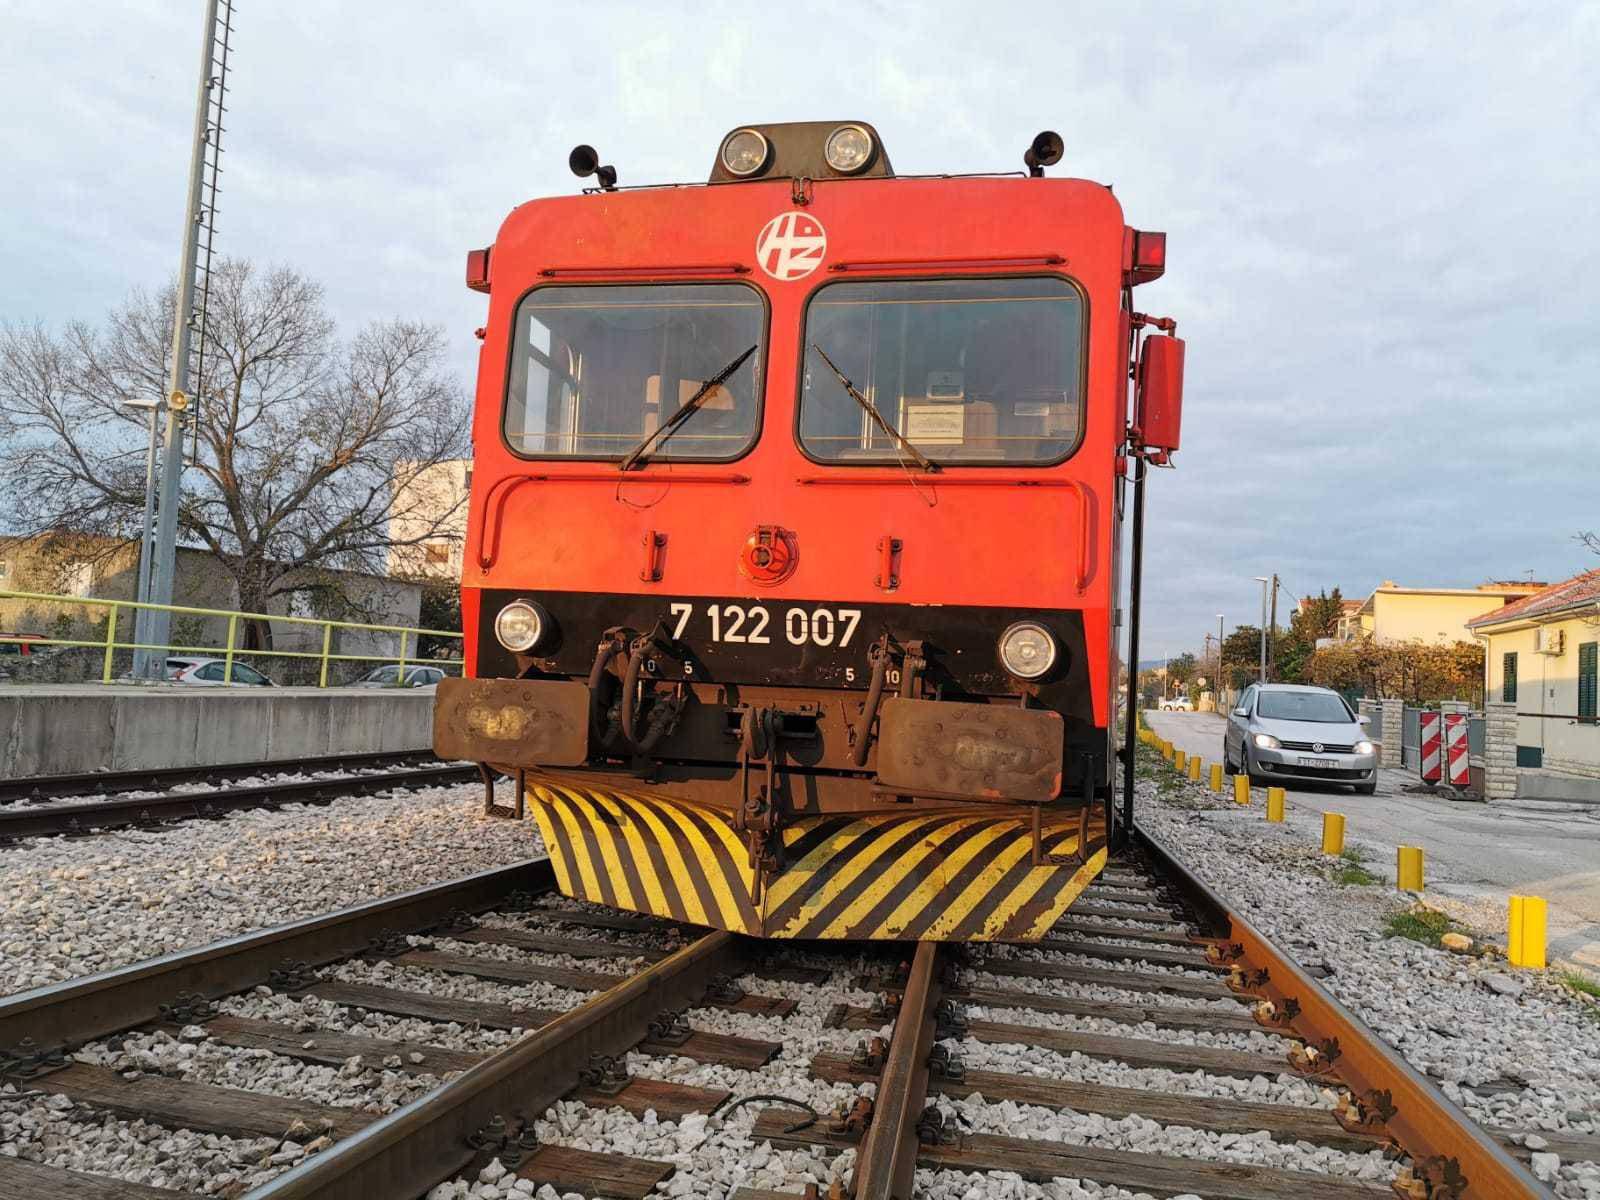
[824, 647]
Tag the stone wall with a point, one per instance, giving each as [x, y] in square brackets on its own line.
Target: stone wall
[1394, 712]
[1499, 750]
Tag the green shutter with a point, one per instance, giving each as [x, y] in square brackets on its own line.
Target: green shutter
[1508, 678]
[1588, 679]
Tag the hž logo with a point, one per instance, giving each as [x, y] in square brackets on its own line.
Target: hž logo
[791, 246]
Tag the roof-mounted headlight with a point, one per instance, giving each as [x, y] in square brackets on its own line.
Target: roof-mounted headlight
[744, 152]
[848, 149]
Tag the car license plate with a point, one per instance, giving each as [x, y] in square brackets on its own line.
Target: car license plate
[1325, 763]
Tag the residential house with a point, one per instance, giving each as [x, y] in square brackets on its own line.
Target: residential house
[430, 512]
[1427, 614]
[1541, 655]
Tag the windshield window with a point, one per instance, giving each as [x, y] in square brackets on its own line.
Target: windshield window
[967, 371]
[596, 370]
[1304, 706]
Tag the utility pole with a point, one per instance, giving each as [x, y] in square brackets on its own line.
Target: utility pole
[204, 167]
[1263, 581]
[1272, 641]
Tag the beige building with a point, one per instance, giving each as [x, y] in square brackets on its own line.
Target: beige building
[1434, 615]
[1543, 656]
[437, 497]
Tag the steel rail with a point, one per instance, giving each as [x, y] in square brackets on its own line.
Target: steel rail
[106, 783]
[1425, 1123]
[63, 819]
[79, 1010]
[426, 1142]
[887, 1161]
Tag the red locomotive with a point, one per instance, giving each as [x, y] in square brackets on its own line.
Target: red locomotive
[791, 585]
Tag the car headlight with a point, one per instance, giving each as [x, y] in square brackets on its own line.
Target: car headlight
[1365, 747]
[848, 149]
[1028, 650]
[1265, 741]
[519, 626]
[744, 152]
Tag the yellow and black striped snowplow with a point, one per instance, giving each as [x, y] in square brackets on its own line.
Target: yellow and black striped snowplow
[959, 874]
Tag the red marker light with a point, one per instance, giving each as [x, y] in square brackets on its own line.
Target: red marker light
[478, 269]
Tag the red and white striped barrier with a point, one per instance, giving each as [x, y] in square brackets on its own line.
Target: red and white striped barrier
[1430, 747]
[1455, 749]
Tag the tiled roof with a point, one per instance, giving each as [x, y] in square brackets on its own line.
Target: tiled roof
[1580, 589]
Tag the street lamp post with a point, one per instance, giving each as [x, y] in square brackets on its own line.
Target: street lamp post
[141, 620]
[1263, 581]
[1219, 662]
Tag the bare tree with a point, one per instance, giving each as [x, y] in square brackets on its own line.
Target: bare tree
[305, 447]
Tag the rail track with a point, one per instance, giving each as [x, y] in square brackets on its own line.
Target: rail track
[1204, 996]
[308, 783]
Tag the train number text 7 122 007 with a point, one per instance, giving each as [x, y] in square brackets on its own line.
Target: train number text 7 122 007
[757, 625]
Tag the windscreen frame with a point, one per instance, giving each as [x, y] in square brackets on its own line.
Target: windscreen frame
[806, 358]
[763, 350]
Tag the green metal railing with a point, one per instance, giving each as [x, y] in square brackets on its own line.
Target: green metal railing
[231, 650]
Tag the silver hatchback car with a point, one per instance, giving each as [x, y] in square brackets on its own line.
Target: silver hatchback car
[1289, 732]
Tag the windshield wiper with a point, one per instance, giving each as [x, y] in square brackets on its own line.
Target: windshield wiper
[640, 453]
[871, 409]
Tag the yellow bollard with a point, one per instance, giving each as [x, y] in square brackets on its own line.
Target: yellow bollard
[1408, 869]
[1525, 932]
[1194, 768]
[1166, 750]
[1181, 761]
[1332, 833]
[1275, 797]
[1241, 789]
[1216, 777]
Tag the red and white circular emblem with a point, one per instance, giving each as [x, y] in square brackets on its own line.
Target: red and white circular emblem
[791, 246]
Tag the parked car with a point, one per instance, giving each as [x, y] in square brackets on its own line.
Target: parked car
[1288, 732]
[12, 652]
[208, 672]
[1176, 704]
[416, 677]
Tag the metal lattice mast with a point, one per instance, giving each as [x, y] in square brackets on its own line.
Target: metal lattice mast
[188, 350]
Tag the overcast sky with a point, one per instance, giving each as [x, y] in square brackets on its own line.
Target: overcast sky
[1383, 248]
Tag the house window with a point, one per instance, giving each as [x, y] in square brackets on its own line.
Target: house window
[1587, 680]
[1508, 678]
[438, 552]
[78, 579]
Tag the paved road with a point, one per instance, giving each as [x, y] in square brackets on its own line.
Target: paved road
[1477, 854]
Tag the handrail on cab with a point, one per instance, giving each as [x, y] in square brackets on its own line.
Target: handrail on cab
[494, 503]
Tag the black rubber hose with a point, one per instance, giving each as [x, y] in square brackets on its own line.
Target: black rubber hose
[869, 711]
[630, 684]
[597, 676]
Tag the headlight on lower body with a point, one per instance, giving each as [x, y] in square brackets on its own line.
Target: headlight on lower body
[520, 625]
[1364, 747]
[1028, 650]
[1265, 741]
